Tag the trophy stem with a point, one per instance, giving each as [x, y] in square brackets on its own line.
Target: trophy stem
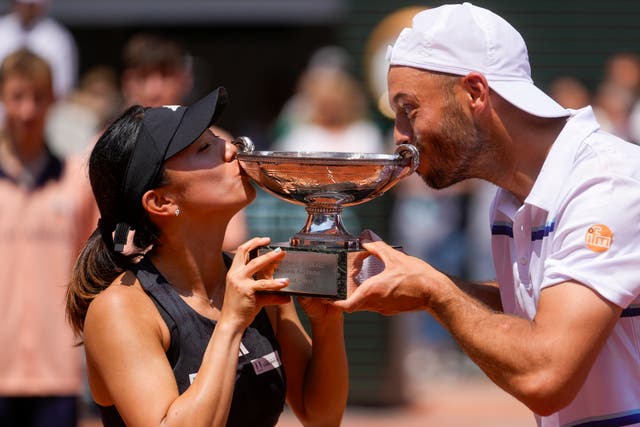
[324, 228]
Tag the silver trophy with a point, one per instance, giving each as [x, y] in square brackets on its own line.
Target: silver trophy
[320, 256]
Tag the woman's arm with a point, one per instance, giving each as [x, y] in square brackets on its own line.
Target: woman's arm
[125, 352]
[317, 374]
[126, 339]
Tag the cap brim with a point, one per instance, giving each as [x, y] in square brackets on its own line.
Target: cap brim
[197, 118]
[527, 97]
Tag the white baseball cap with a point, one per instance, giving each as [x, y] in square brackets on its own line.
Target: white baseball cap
[461, 38]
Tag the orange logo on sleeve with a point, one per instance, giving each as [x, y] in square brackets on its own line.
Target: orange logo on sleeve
[599, 238]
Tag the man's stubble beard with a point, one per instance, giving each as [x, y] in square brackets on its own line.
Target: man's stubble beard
[456, 145]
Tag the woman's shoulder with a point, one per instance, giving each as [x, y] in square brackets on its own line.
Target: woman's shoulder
[123, 301]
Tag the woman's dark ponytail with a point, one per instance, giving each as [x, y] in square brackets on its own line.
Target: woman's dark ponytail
[98, 264]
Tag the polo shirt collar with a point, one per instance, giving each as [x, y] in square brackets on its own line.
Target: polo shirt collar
[561, 157]
[52, 170]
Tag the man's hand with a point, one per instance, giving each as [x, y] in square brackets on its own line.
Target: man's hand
[402, 286]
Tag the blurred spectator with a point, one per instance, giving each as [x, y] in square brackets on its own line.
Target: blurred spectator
[157, 71]
[29, 26]
[623, 69]
[612, 105]
[297, 109]
[48, 212]
[74, 122]
[479, 260]
[617, 95]
[430, 225]
[634, 123]
[570, 92]
[329, 111]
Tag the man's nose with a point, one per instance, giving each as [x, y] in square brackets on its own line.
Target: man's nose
[402, 135]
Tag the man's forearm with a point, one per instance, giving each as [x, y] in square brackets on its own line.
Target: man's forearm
[486, 292]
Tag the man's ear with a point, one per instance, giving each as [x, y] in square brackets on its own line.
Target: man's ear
[477, 87]
[157, 203]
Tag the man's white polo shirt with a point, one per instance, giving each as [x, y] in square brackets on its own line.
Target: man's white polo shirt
[581, 222]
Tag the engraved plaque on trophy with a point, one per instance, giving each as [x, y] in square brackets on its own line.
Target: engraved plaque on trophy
[322, 253]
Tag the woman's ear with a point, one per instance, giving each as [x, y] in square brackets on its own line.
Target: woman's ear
[155, 202]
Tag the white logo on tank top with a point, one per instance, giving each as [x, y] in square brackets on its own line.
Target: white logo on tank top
[243, 350]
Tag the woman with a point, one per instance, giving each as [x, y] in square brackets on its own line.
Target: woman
[176, 333]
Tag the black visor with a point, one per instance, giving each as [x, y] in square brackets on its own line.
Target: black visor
[165, 131]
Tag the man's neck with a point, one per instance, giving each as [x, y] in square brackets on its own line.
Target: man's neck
[531, 141]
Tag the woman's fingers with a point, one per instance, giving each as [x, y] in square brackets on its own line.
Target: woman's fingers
[243, 251]
[270, 284]
[266, 262]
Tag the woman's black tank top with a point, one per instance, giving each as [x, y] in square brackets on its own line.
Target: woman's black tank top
[260, 389]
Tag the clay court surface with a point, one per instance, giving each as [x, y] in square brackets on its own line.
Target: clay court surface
[443, 402]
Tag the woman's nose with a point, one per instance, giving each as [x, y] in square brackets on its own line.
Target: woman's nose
[230, 151]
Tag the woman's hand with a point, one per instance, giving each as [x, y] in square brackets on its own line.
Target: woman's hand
[242, 298]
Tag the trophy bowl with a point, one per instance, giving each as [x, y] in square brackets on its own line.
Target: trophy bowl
[320, 256]
[325, 182]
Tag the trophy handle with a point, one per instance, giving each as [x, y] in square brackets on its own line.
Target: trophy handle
[408, 151]
[403, 151]
[244, 144]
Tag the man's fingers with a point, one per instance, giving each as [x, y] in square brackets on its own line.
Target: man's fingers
[381, 250]
[350, 304]
[369, 236]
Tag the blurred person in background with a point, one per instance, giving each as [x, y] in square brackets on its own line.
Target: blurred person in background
[616, 96]
[558, 327]
[569, 92]
[48, 211]
[612, 106]
[74, 122]
[157, 71]
[329, 111]
[196, 342]
[623, 70]
[28, 25]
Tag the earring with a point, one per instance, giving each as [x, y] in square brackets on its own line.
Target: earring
[177, 212]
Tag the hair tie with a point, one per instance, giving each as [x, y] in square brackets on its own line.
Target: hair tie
[117, 240]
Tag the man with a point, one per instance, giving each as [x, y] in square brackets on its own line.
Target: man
[29, 26]
[559, 328]
[157, 71]
[47, 213]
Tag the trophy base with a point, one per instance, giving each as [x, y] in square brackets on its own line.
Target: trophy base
[323, 272]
